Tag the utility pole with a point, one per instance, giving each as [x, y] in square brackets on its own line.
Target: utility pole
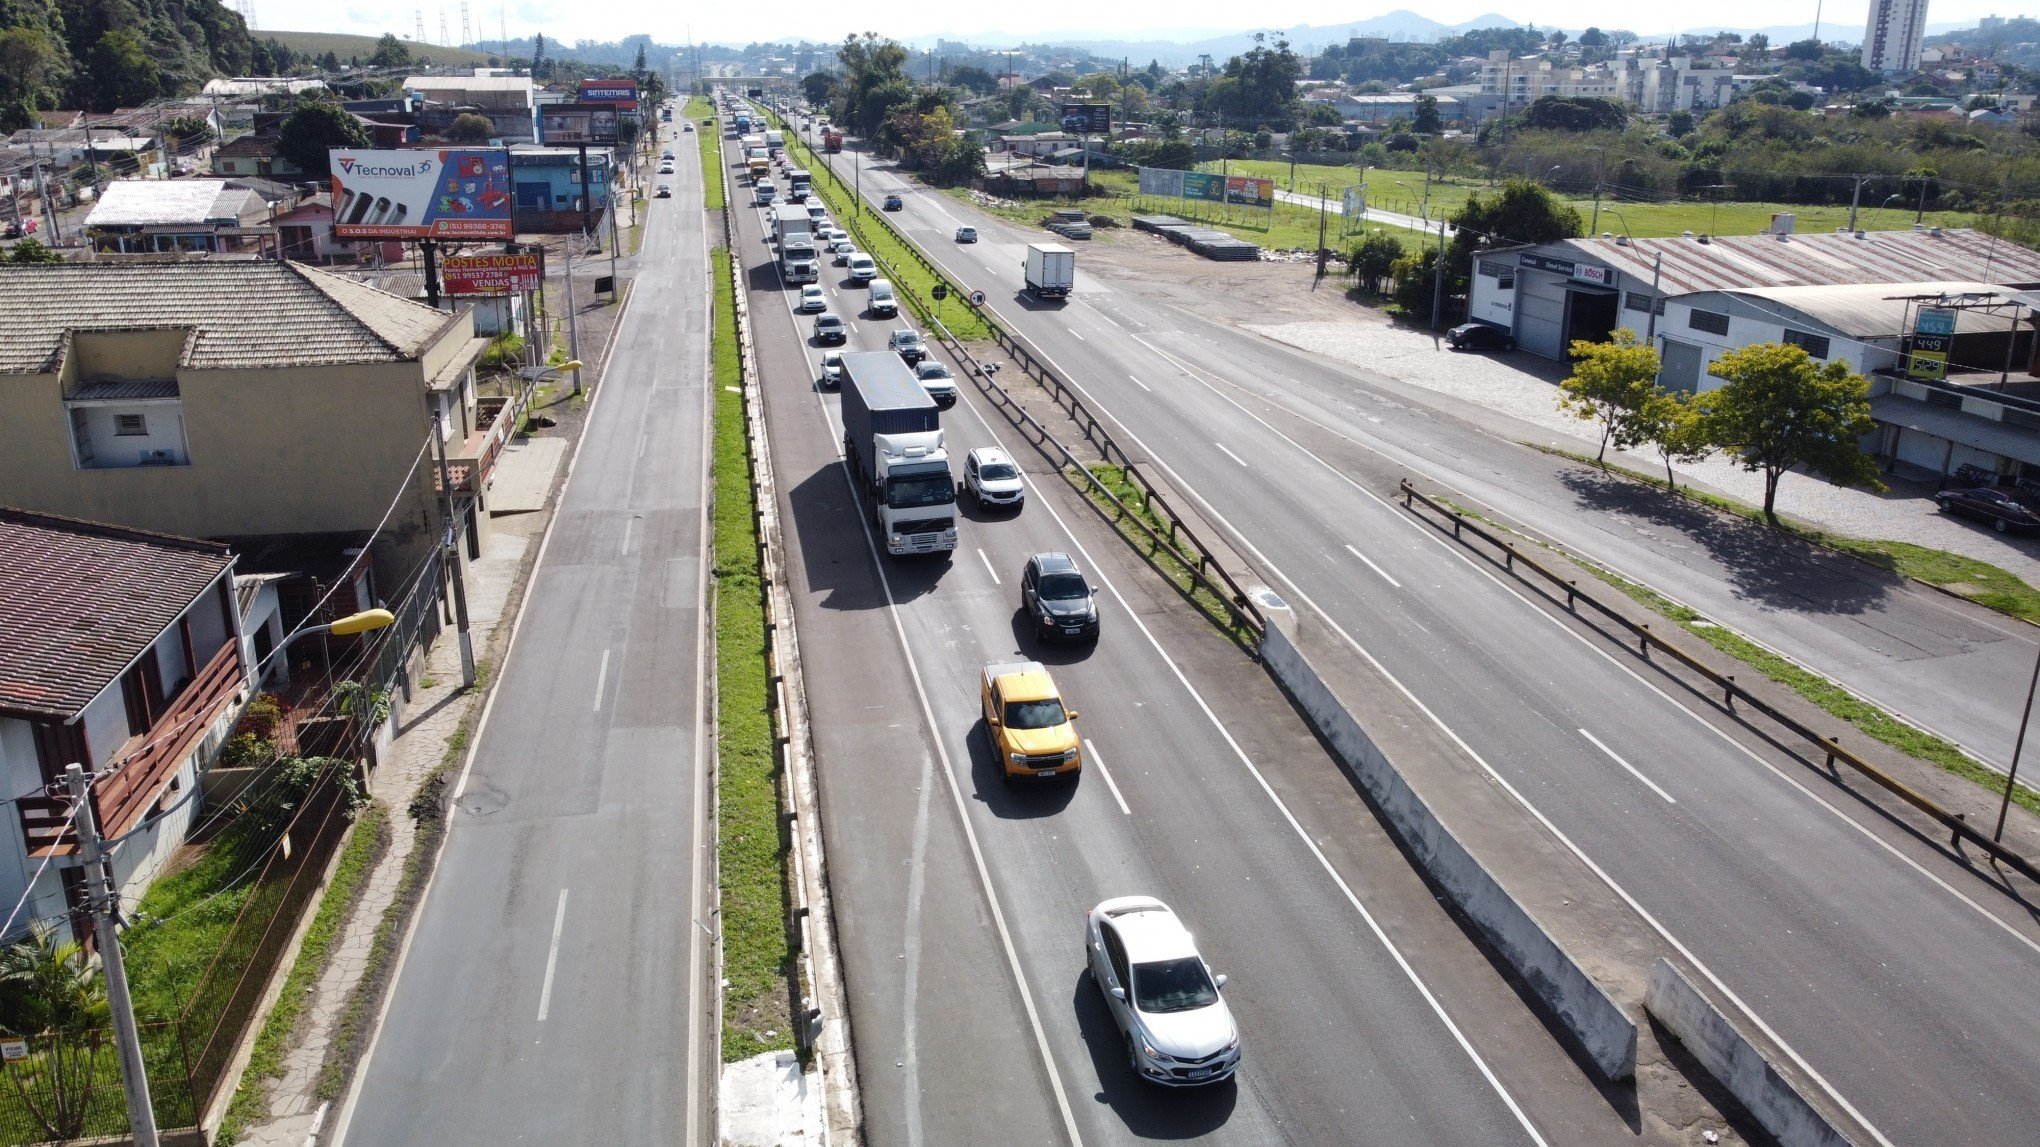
[1438, 279]
[573, 328]
[102, 901]
[1322, 204]
[1921, 214]
[1657, 268]
[1856, 200]
[451, 540]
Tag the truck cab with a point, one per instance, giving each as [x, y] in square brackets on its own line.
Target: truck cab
[1033, 734]
[892, 438]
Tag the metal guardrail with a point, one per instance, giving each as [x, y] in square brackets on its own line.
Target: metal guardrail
[1204, 569]
[1830, 746]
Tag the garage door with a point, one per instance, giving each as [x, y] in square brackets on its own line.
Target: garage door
[1680, 367]
[1540, 313]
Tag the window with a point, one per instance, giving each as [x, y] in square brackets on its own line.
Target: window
[1815, 345]
[1713, 322]
[1638, 301]
[130, 425]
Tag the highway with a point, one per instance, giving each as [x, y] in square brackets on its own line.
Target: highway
[553, 990]
[1367, 1014]
[1840, 931]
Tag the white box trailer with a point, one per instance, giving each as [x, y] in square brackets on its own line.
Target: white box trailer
[1051, 270]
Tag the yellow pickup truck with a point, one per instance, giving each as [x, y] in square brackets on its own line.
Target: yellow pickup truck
[1034, 736]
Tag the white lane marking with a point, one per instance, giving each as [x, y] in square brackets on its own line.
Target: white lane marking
[1375, 568]
[1142, 385]
[629, 525]
[1092, 759]
[1617, 758]
[1078, 337]
[1550, 826]
[1107, 318]
[552, 957]
[601, 679]
[1253, 770]
[1229, 454]
[988, 566]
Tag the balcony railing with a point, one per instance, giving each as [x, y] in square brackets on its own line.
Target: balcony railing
[134, 779]
[469, 462]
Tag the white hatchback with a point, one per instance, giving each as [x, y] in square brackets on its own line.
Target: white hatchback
[1177, 1029]
[812, 298]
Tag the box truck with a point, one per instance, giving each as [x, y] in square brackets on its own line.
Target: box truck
[1051, 270]
[892, 435]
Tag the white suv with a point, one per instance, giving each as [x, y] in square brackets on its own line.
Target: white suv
[1178, 1031]
[991, 478]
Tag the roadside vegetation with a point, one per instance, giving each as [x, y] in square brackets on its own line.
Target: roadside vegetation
[1165, 562]
[707, 136]
[753, 845]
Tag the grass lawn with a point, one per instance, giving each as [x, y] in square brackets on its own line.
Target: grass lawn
[707, 137]
[757, 957]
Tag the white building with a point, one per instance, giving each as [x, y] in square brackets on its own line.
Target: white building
[1660, 86]
[1892, 36]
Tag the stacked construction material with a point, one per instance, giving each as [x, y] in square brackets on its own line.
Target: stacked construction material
[1206, 241]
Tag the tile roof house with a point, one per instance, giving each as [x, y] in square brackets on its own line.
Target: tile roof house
[219, 399]
[120, 652]
[253, 155]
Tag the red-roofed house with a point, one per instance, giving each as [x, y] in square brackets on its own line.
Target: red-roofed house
[120, 650]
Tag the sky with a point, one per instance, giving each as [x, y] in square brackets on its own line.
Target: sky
[668, 22]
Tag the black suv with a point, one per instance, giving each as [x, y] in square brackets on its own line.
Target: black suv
[1057, 599]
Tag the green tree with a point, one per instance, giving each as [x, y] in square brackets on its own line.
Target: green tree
[32, 67]
[538, 60]
[1520, 212]
[330, 62]
[1374, 257]
[1757, 46]
[1575, 113]
[1671, 422]
[1414, 275]
[1425, 120]
[470, 128]
[1611, 383]
[31, 250]
[54, 987]
[1679, 123]
[317, 126]
[121, 71]
[390, 52]
[816, 86]
[1778, 408]
[1808, 49]
[974, 79]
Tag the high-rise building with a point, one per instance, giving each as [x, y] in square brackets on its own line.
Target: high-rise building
[1891, 39]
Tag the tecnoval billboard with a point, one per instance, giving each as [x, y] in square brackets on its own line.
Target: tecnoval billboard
[461, 194]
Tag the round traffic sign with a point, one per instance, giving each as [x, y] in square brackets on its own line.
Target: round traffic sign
[977, 298]
[940, 291]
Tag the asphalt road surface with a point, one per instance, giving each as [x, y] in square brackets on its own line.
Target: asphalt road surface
[553, 989]
[1367, 1016]
[1889, 971]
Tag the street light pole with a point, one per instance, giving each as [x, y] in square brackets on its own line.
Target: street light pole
[2012, 776]
[1438, 278]
[102, 901]
[573, 327]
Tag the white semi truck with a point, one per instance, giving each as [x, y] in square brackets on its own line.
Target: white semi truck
[892, 434]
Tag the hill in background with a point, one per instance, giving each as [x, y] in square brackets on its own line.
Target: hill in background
[346, 46]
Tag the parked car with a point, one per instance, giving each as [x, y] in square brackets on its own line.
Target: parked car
[830, 331]
[2006, 514]
[938, 382]
[832, 369]
[1480, 336]
[1163, 996]
[908, 345]
[966, 234]
[812, 298]
[893, 203]
[1057, 599]
[991, 478]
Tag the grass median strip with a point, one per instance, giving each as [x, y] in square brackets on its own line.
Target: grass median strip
[757, 955]
[701, 113]
[902, 264]
[1210, 604]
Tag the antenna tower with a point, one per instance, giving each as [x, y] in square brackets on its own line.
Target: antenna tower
[445, 40]
[419, 13]
[467, 35]
[247, 10]
[503, 29]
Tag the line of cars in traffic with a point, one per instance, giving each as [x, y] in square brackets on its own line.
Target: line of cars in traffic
[1163, 997]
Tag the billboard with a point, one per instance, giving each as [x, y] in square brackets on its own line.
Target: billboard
[1933, 331]
[1087, 118]
[1250, 192]
[453, 194]
[617, 91]
[1161, 181]
[1208, 186]
[572, 124]
[489, 274]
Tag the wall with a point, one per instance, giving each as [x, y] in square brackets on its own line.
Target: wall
[99, 444]
[1604, 1032]
[1488, 302]
[20, 773]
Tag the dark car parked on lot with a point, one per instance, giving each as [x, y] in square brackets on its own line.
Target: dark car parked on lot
[1480, 336]
[2005, 513]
